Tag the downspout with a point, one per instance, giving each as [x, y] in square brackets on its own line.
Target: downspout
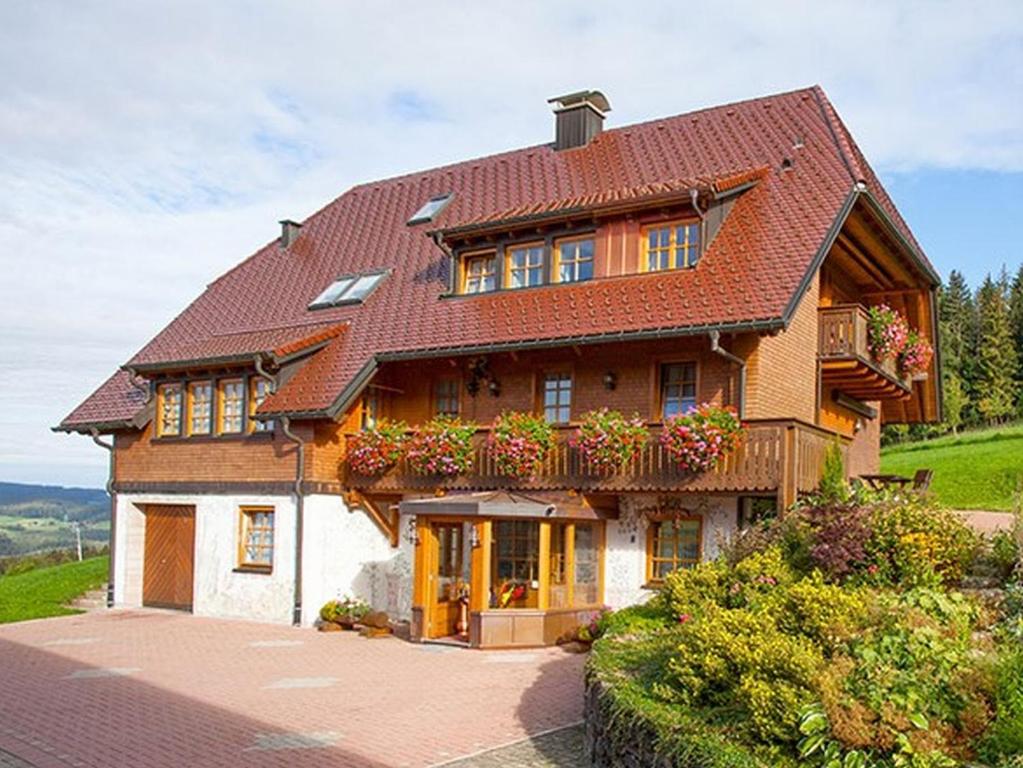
[285, 422]
[109, 448]
[715, 346]
[438, 240]
[262, 372]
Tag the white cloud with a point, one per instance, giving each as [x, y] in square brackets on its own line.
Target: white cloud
[148, 147]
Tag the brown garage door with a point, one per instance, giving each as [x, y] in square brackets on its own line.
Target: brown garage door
[170, 547]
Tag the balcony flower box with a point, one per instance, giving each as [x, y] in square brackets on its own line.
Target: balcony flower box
[887, 332]
[607, 440]
[376, 449]
[442, 446]
[519, 443]
[698, 440]
[916, 355]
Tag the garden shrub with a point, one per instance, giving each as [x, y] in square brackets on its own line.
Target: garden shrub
[635, 619]
[1005, 739]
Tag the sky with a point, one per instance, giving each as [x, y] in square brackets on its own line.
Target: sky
[145, 148]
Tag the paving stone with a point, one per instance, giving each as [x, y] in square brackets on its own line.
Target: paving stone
[301, 682]
[558, 749]
[510, 658]
[71, 641]
[86, 674]
[275, 643]
[268, 742]
[7, 760]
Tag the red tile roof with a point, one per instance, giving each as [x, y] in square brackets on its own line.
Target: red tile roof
[749, 274]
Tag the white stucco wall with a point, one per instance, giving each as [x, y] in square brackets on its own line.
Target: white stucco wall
[344, 553]
[625, 558]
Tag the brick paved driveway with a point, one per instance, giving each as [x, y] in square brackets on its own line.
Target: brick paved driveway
[136, 688]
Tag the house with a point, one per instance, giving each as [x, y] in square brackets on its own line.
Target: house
[725, 256]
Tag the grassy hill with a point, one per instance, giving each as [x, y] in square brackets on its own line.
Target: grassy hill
[977, 470]
[46, 592]
[34, 518]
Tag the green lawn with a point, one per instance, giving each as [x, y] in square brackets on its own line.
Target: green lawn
[46, 591]
[976, 470]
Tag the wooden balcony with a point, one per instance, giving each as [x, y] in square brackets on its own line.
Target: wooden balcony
[846, 363]
[783, 457]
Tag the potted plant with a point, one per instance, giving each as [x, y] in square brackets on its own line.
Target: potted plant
[344, 613]
[699, 439]
[442, 446]
[519, 443]
[608, 440]
[916, 355]
[887, 332]
[378, 448]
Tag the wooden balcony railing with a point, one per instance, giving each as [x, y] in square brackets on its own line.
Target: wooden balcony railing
[843, 335]
[775, 456]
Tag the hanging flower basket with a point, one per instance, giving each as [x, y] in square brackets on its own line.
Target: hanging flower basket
[608, 440]
[519, 443]
[887, 332]
[377, 449]
[699, 439]
[916, 356]
[442, 446]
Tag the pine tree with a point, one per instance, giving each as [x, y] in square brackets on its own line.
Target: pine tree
[957, 323]
[996, 357]
[1016, 321]
[953, 400]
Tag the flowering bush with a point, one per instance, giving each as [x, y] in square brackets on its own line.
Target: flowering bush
[347, 609]
[916, 354]
[375, 449]
[887, 332]
[519, 442]
[608, 440]
[699, 439]
[442, 446]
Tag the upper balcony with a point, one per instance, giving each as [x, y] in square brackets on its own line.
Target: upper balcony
[846, 362]
[783, 457]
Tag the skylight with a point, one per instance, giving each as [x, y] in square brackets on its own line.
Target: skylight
[430, 209]
[350, 289]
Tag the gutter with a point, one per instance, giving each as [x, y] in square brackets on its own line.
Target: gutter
[109, 447]
[285, 422]
[715, 346]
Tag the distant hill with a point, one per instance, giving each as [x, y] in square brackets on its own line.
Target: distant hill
[36, 518]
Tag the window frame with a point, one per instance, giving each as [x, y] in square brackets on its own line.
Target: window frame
[525, 245]
[161, 390]
[254, 425]
[245, 513]
[672, 246]
[222, 402]
[652, 556]
[489, 254]
[659, 371]
[190, 388]
[557, 259]
[435, 395]
[560, 373]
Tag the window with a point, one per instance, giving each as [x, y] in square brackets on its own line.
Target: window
[449, 560]
[586, 564]
[515, 563]
[525, 266]
[575, 260]
[445, 397]
[672, 246]
[673, 544]
[350, 289]
[232, 406]
[479, 273]
[430, 209]
[370, 409]
[259, 388]
[168, 410]
[557, 398]
[678, 388]
[257, 538]
[200, 408]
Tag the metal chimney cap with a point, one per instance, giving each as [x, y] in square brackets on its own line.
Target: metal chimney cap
[595, 99]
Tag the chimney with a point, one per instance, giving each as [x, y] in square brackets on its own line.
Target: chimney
[289, 232]
[578, 117]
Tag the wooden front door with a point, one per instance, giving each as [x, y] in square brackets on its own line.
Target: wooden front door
[445, 578]
[167, 570]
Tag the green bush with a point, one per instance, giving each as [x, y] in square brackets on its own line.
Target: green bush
[635, 619]
[1005, 739]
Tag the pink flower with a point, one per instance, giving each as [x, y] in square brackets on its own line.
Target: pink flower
[684, 618]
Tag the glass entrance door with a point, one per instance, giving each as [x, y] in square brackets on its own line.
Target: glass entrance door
[447, 586]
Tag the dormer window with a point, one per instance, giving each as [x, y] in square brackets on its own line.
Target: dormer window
[430, 209]
[671, 246]
[525, 265]
[479, 273]
[350, 289]
[574, 260]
